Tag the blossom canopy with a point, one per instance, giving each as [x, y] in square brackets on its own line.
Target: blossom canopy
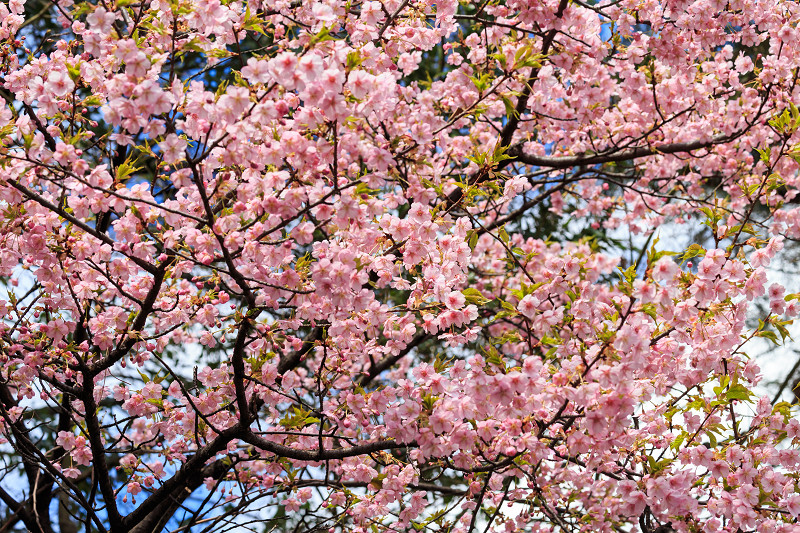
[366, 266]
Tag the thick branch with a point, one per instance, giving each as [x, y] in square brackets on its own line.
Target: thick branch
[522, 102]
[19, 512]
[138, 323]
[291, 361]
[99, 464]
[181, 479]
[563, 162]
[321, 455]
[157, 519]
[31, 195]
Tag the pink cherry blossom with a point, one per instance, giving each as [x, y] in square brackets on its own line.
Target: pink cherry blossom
[59, 83]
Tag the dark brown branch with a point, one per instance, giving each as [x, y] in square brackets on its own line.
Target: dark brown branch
[522, 102]
[181, 479]
[613, 156]
[19, 511]
[99, 465]
[321, 455]
[291, 361]
[31, 195]
[157, 519]
[138, 324]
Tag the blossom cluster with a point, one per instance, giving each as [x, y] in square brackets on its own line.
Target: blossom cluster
[366, 263]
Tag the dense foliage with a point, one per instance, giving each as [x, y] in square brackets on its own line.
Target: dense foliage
[395, 265]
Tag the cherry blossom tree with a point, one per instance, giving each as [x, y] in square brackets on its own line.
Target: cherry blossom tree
[395, 265]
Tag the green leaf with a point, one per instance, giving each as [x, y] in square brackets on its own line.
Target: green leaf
[74, 72]
[768, 335]
[481, 83]
[303, 262]
[507, 305]
[650, 310]
[780, 325]
[92, 100]
[496, 360]
[125, 170]
[298, 418]
[193, 46]
[353, 59]
[723, 382]
[442, 363]
[323, 35]
[675, 444]
[472, 239]
[693, 251]
[738, 392]
[500, 58]
[503, 234]
[474, 296]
